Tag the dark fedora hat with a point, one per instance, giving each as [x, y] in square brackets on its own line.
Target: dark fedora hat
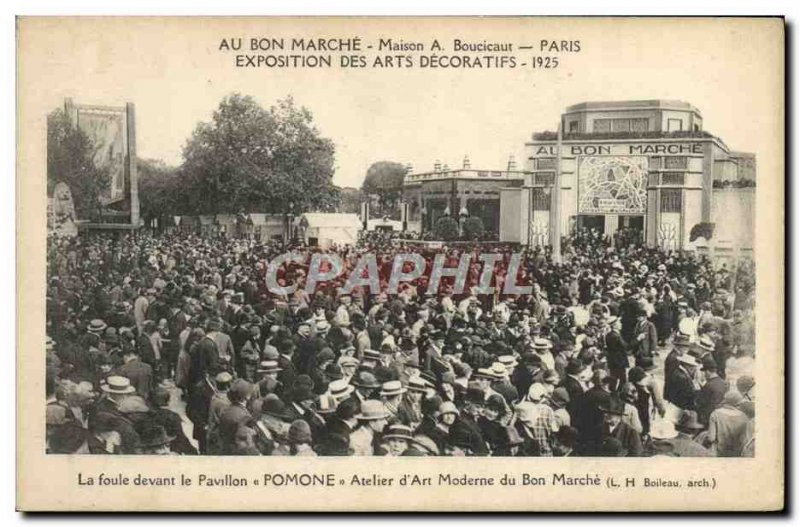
[688, 421]
[153, 435]
[615, 406]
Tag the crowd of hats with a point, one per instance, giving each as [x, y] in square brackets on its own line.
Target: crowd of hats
[309, 361]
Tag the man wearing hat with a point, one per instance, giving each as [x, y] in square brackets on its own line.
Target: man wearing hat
[392, 395]
[613, 427]
[236, 414]
[712, 392]
[727, 427]
[685, 443]
[617, 350]
[679, 387]
[366, 385]
[344, 422]
[396, 439]
[219, 402]
[139, 373]
[645, 340]
[434, 351]
[273, 421]
[372, 420]
[681, 343]
[466, 426]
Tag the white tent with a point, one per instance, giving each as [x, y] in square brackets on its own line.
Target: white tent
[325, 229]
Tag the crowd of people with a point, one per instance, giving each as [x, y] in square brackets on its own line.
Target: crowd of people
[173, 344]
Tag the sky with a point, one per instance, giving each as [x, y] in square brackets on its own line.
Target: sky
[175, 74]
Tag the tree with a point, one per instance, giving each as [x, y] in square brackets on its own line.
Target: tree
[446, 228]
[385, 180]
[70, 159]
[159, 189]
[351, 199]
[473, 228]
[252, 159]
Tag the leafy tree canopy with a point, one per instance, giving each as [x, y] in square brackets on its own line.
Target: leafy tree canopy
[70, 155]
[255, 159]
[385, 180]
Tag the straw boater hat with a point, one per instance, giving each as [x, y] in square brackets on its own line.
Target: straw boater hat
[372, 355]
[340, 389]
[507, 360]
[269, 366]
[688, 360]
[484, 373]
[392, 388]
[117, 384]
[325, 404]
[542, 344]
[663, 429]
[416, 384]
[372, 410]
[96, 326]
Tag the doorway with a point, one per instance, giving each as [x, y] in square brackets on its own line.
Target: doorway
[598, 223]
[630, 229]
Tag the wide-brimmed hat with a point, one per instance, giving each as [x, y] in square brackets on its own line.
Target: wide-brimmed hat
[614, 405]
[392, 388]
[398, 431]
[372, 410]
[417, 384]
[705, 344]
[275, 407]
[663, 429]
[484, 373]
[372, 355]
[688, 360]
[154, 435]
[117, 384]
[688, 421]
[708, 363]
[269, 366]
[365, 379]
[426, 444]
[325, 404]
[542, 344]
[96, 326]
[340, 389]
[132, 405]
[507, 360]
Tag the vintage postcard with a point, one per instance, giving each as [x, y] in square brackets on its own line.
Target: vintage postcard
[270, 260]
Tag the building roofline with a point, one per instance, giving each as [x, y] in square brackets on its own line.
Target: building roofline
[648, 104]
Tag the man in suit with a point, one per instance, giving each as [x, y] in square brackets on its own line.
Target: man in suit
[712, 392]
[616, 350]
[679, 387]
[139, 373]
[587, 413]
[645, 340]
[236, 414]
[681, 343]
[612, 427]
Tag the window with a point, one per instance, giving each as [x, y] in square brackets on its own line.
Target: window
[674, 125]
[546, 163]
[546, 178]
[573, 127]
[652, 180]
[602, 125]
[541, 199]
[621, 125]
[655, 163]
[672, 178]
[671, 200]
[676, 162]
[639, 125]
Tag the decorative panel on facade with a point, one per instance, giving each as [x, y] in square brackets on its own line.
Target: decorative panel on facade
[612, 184]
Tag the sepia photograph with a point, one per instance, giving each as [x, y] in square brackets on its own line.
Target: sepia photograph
[443, 238]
